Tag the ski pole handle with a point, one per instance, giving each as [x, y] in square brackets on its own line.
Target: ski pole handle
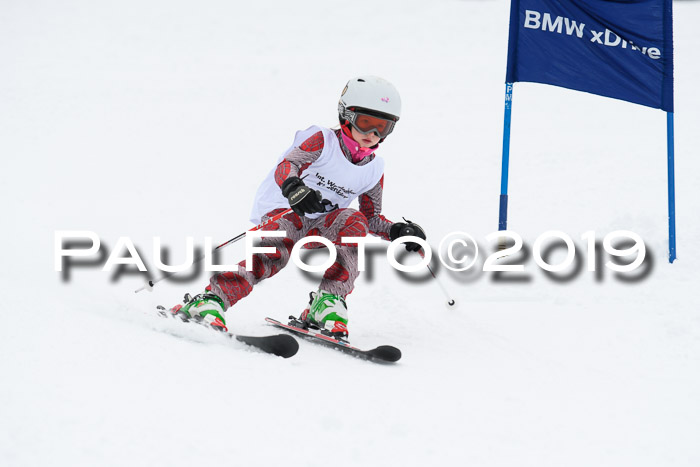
[151, 283]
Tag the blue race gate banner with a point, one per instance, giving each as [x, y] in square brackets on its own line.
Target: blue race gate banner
[615, 48]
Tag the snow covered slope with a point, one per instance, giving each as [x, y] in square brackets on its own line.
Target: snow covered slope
[160, 118]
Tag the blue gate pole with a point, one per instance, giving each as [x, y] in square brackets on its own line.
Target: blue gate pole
[503, 208]
[671, 191]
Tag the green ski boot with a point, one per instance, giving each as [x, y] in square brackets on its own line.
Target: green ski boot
[205, 308]
[328, 312]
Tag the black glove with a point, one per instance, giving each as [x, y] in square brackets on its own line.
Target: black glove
[302, 199]
[401, 229]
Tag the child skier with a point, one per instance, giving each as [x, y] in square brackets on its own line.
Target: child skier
[318, 177]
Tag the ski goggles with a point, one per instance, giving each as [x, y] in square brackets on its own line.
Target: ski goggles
[366, 123]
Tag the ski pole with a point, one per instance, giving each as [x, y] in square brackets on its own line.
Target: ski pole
[151, 283]
[450, 303]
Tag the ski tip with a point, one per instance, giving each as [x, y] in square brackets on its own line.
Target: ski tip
[386, 353]
[282, 345]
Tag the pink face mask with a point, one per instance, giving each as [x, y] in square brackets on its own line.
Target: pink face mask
[358, 153]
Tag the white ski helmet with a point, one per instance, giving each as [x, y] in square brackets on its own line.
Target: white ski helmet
[370, 95]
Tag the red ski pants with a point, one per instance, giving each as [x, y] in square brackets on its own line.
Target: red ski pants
[338, 279]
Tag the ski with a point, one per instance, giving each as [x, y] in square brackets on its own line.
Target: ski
[282, 345]
[382, 354]
[278, 344]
